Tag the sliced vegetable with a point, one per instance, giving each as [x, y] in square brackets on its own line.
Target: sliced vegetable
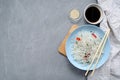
[94, 35]
[78, 39]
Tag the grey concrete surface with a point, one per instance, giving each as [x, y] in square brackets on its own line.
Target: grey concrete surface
[30, 33]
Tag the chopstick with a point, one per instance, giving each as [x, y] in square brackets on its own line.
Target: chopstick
[100, 52]
[96, 53]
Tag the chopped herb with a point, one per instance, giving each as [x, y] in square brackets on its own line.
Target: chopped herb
[76, 42]
[87, 44]
[88, 62]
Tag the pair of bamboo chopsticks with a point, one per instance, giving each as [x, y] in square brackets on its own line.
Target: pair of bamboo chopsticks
[99, 50]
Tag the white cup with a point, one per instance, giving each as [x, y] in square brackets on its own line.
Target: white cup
[99, 9]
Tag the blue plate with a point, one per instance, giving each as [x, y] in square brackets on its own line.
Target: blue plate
[69, 44]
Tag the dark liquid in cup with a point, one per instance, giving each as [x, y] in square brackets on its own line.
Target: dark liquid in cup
[92, 14]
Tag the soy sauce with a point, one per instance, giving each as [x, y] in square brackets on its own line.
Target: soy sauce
[92, 14]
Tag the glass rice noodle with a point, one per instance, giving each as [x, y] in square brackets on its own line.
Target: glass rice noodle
[85, 46]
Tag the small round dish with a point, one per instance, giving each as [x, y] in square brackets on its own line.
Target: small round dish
[74, 15]
[100, 10]
[69, 44]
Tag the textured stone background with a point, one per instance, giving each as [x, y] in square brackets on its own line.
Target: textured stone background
[30, 33]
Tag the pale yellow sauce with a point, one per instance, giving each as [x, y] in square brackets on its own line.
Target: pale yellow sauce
[74, 14]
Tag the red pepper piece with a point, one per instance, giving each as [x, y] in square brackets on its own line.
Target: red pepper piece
[78, 39]
[94, 35]
[85, 57]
